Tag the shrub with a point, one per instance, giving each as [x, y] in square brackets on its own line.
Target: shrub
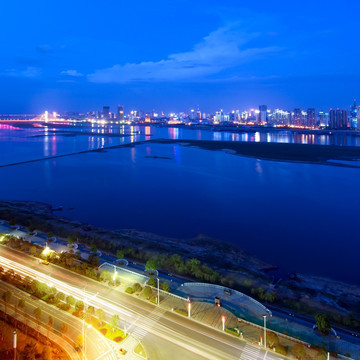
[147, 292]
[137, 287]
[232, 331]
[181, 312]
[298, 351]
[153, 300]
[281, 349]
[103, 331]
[129, 290]
[118, 339]
[152, 282]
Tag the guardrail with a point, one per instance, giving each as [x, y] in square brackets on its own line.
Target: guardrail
[233, 291]
[122, 269]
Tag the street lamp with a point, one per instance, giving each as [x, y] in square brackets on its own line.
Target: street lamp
[114, 277]
[265, 331]
[158, 291]
[189, 308]
[223, 322]
[15, 343]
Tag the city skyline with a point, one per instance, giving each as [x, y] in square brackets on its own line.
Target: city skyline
[170, 54]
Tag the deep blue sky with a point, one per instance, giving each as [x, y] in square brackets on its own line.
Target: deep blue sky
[172, 55]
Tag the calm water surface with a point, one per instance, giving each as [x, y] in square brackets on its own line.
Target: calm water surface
[302, 217]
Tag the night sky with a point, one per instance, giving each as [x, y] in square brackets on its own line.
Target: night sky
[173, 55]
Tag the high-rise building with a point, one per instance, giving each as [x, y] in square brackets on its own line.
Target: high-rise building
[353, 116]
[106, 112]
[311, 118]
[338, 119]
[263, 114]
[120, 113]
[332, 119]
[344, 119]
[323, 118]
[297, 117]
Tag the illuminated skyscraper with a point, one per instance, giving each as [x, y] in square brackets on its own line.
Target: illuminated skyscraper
[297, 117]
[338, 119]
[120, 113]
[353, 116]
[106, 112]
[263, 114]
[311, 118]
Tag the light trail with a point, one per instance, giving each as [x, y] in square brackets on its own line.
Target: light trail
[142, 321]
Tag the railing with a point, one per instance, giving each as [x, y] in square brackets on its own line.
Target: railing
[233, 291]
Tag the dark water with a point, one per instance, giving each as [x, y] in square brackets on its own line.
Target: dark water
[302, 217]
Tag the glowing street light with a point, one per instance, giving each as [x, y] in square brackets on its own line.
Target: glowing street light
[114, 277]
[223, 318]
[158, 291]
[15, 343]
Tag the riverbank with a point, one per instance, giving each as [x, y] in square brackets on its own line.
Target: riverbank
[301, 293]
[305, 153]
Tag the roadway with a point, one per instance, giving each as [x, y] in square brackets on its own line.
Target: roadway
[152, 325]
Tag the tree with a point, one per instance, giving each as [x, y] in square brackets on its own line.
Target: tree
[60, 296]
[137, 287]
[272, 339]
[100, 314]
[79, 305]
[70, 300]
[152, 282]
[46, 353]
[64, 328]
[93, 248]
[165, 286]
[32, 250]
[31, 228]
[49, 235]
[298, 351]
[79, 341]
[105, 275]
[12, 222]
[321, 355]
[119, 254]
[115, 321]
[147, 292]
[93, 260]
[323, 323]
[21, 304]
[6, 296]
[37, 314]
[70, 240]
[150, 265]
[29, 352]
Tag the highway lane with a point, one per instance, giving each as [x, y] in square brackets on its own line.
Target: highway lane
[195, 337]
[96, 348]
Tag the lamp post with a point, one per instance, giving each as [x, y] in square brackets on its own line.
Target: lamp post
[223, 322]
[114, 277]
[189, 308]
[265, 331]
[15, 343]
[158, 291]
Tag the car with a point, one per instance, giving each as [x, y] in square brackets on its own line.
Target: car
[45, 262]
[122, 351]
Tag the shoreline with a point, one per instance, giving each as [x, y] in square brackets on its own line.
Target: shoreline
[306, 294]
[293, 153]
